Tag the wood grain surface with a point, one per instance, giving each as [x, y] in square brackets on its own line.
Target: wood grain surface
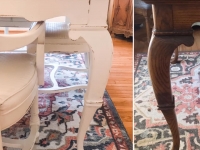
[172, 28]
[172, 1]
[120, 83]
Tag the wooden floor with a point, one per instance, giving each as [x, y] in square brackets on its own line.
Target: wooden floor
[120, 84]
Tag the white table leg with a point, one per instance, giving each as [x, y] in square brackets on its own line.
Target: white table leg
[101, 51]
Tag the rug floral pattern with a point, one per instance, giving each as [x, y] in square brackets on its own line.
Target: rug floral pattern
[150, 128]
[60, 114]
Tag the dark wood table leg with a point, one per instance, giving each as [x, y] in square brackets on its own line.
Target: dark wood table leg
[160, 51]
[170, 117]
[148, 28]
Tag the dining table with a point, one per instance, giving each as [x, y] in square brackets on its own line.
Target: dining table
[88, 20]
[174, 22]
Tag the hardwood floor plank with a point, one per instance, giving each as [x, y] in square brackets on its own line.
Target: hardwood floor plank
[120, 83]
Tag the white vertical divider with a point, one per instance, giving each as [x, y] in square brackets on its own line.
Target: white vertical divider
[6, 30]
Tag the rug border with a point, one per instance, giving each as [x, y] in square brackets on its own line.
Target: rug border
[118, 120]
[138, 58]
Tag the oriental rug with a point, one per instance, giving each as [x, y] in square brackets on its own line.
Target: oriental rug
[150, 128]
[60, 113]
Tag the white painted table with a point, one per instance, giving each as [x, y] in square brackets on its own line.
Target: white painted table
[88, 19]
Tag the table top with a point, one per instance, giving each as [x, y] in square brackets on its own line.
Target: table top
[79, 12]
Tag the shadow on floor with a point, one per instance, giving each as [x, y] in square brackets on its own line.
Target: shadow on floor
[122, 37]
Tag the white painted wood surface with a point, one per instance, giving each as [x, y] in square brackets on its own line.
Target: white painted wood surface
[13, 113]
[87, 33]
[76, 10]
[20, 40]
[101, 50]
[79, 12]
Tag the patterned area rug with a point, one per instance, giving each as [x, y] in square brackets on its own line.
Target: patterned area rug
[150, 130]
[60, 114]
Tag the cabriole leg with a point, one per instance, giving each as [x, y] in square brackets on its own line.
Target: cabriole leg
[159, 55]
[101, 50]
